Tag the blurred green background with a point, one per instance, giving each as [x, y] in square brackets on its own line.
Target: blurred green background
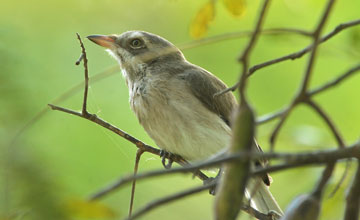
[63, 158]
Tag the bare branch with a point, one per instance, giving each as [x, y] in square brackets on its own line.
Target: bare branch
[165, 200]
[336, 81]
[307, 49]
[277, 128]
[86, 74]
[240, 34]
[136, 167]
[328, 121]
[154, 204]
[326, 86]
[316, 41]
[290, 161]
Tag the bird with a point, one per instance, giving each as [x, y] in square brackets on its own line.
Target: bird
[174, 102]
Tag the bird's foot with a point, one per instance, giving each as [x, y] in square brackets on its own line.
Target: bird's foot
[212, 190]
[274, 215]
[166, 155]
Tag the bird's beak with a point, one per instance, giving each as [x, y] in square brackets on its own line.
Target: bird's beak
[103, 40]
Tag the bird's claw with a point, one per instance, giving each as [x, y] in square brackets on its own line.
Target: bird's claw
[166, 155]
[212, 190]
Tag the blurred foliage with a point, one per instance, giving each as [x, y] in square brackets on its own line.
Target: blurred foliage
[204, 16]
[200, 25]
[62, 157]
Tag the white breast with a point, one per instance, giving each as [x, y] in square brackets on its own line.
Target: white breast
[176, 120]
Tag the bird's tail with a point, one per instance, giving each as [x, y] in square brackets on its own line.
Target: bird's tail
[261, 198]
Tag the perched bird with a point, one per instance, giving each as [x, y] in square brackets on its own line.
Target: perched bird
[174, 101]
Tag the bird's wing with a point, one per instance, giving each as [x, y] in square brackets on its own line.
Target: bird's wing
[204, 85]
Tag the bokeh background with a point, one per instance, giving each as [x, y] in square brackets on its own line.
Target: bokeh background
[61, 159]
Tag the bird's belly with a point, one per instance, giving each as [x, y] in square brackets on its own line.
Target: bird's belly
[182, 125]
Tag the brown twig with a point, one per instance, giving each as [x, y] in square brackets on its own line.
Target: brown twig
[313, 92]
[86, 74]
[295, 55]
[307, 49]
[246, 53]
[165, 200]
[335, 82]
[302, 94]
[352, 210]
[338, 138]
[328, 122]
[136, 167]
[154, 204]
[243, 58]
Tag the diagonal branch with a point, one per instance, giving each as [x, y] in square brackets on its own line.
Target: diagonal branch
[318, 90]
[336, 81]
[307, 49]
[154, 204]
[165, 200]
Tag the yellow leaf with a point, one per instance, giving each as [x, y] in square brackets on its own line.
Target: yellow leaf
[89, 209]
[200, 24]
[235, 7]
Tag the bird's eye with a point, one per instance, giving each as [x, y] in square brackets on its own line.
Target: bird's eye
[136, 43]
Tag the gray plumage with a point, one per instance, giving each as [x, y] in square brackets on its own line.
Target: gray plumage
[174, 100]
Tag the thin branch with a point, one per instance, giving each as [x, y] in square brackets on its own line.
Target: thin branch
[246, 53]
[279, 125]
[240, 34]
[353, 197]
[86, 74]
[307, 49]
[322, 88]
[338, 138]
[315, 44]
[302, 95]
[136, 167]
[324, 179]
[271, 116]
[328, 121]
[336, 81]
[165, 200]
[139, 144]
[154, 204]
[290, 161]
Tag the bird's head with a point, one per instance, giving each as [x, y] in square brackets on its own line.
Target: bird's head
[137, 50]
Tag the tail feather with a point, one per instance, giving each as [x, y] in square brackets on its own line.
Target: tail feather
[261, 198]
